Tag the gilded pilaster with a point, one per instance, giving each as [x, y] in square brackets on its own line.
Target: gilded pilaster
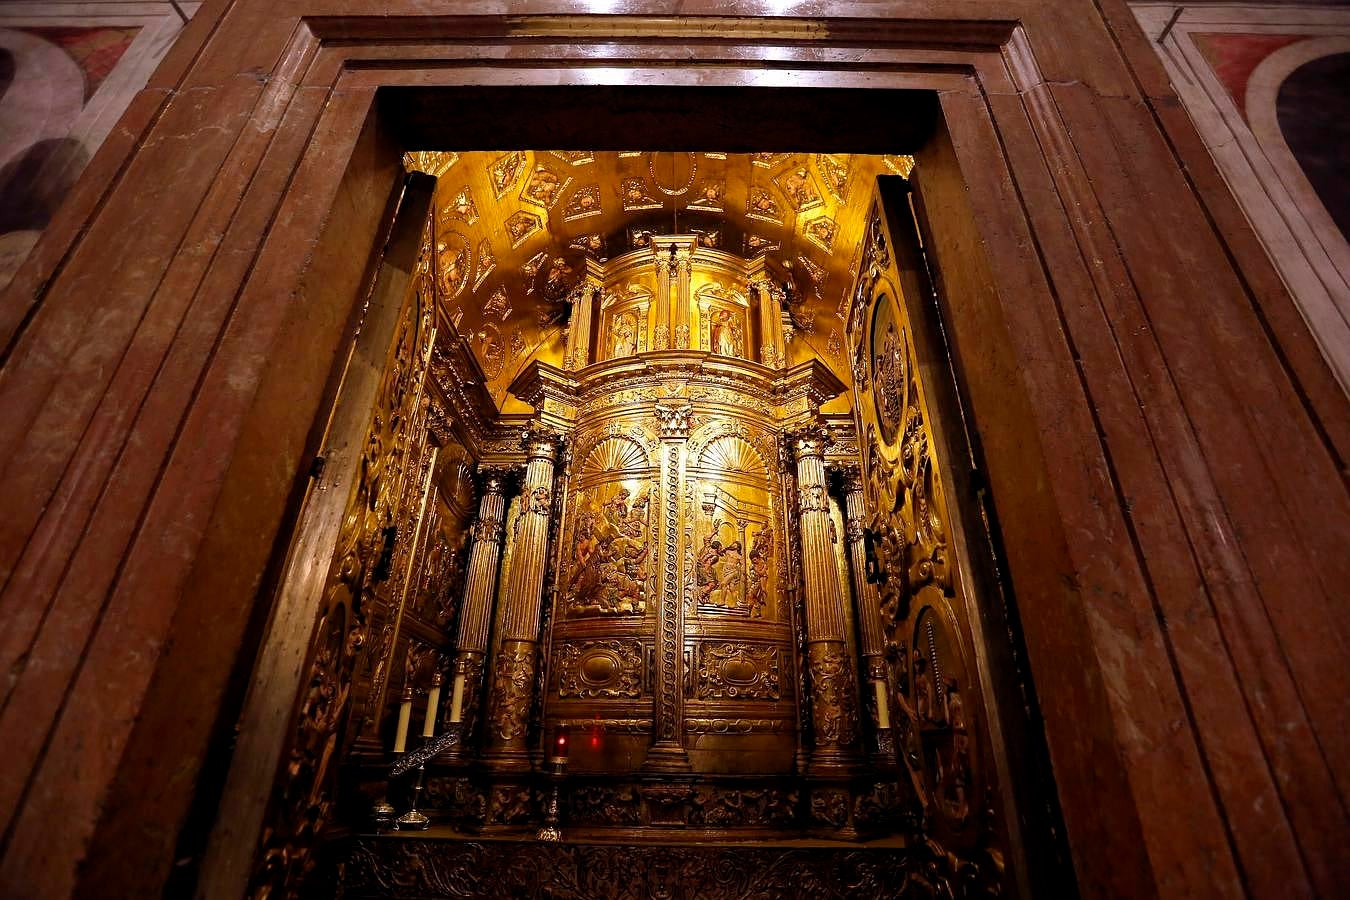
[475, 620]
[667, 753]
[772, 351]
[584, 301]
[665, 272]
[872, 642]
[834, 702]
[517, 655]
[682, 265]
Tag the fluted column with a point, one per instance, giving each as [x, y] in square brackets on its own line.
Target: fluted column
[579, 330]
[772, 350]
[665, 270]
[667, 753]
[683, 264]
[834, 697]
[517, 655]
[872, 642]
[475, 619]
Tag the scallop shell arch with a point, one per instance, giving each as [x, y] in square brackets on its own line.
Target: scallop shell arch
[615, 454]
[636, 435]
[757, 441]
[730, 453]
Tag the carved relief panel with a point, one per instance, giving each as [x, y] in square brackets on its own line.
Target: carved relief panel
[736, 532]
[351, 644]
[610, 567]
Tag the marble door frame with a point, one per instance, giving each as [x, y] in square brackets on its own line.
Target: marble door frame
[171, 340]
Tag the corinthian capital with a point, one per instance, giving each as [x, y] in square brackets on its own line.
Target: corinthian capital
[808, 440]
[673, 416]
[541, 442]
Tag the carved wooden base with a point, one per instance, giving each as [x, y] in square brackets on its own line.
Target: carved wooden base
[428, 868]
[666, 758]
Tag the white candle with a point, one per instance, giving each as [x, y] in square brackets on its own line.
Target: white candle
[433, 701]
[404, 716]
[457, 699]
[883, 712]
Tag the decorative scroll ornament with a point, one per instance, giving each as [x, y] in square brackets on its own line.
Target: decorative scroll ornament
[511, 690]
[600, 669]
[833, 698]
[736, 670]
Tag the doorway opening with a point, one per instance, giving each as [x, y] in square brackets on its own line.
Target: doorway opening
[659, 521]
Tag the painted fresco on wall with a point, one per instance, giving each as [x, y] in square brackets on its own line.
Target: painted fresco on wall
[49, 77]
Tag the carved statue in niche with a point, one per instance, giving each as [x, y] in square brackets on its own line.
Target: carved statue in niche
[612, 557]
[623, 334]
[925, 702]
[725, 335]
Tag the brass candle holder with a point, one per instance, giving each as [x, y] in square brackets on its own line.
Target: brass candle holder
[414, 819]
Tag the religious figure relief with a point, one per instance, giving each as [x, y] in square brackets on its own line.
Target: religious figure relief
[558, 281]
[925, 701]
[543, 187]
[724, 333]
[762, 206]
[505, 172]
[623, 335]
[635, 195]
[800, 189]
[761, 561]
[721, 576]
[521, 225]
[454, 263]
[611, 557]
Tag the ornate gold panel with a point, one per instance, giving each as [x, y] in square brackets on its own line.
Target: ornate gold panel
[736, 670]
[600, 669]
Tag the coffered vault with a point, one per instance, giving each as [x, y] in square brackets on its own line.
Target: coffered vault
[513, 231]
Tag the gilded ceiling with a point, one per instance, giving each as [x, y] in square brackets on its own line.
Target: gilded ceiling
[513, 230]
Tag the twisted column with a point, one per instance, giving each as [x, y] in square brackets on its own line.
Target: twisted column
[667, 753]
[475, 619]
[834, 700]
[517, 656]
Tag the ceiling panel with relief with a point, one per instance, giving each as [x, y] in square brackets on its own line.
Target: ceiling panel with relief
[512, 231]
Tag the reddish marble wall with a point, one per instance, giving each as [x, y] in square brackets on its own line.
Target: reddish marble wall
[1165, 442]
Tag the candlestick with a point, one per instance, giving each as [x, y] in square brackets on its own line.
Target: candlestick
[433, 701]
[883, 712]
[404, 717]
[457, 699]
